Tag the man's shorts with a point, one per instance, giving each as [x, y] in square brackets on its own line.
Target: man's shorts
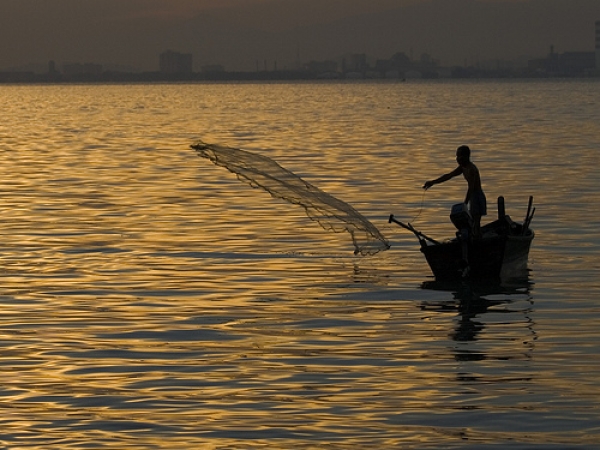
[478, 204]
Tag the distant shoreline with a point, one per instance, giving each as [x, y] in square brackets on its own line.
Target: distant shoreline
[156, 77]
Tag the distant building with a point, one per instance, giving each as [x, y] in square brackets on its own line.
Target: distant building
[171, 62]
[52, 68]
[565, 64]
[576, 63]
[395, 66]
[356, 62]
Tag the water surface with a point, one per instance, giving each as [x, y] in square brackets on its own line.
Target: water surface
[151, 300]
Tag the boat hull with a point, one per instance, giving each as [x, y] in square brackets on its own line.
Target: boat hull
[500, 253]
[492, 257]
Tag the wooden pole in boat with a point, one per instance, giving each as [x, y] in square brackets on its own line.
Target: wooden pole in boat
[501, 208]
[528, 216]
[527, 222]
[529, 208]
[409, 227]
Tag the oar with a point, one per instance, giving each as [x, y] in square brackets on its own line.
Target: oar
[409, 227]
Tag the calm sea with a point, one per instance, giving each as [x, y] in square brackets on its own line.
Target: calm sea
[150, 300]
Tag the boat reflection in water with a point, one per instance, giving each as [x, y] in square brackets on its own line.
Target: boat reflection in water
[496, 314]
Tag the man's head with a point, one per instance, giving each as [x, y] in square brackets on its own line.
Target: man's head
[463, 154]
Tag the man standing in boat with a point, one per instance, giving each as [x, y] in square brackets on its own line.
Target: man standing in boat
[475, 197]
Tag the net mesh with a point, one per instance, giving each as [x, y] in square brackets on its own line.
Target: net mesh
[331, 213]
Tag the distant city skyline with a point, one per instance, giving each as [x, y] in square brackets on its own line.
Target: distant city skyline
[241, 34]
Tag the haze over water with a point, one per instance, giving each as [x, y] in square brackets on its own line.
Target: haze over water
[151, 300]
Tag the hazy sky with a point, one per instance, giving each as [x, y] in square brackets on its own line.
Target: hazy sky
[237, 33]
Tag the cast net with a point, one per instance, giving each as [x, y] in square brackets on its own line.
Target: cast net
[331, 213]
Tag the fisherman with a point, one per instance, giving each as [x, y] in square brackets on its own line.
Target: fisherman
[475, 197]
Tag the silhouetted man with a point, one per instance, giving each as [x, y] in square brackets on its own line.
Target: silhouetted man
[475, 197]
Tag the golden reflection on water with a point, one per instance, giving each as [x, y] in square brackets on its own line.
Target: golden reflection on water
[150, 300]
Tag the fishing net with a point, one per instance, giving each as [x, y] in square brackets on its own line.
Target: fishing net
[330, 212]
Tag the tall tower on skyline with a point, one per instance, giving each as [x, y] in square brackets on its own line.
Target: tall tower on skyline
[598, 44]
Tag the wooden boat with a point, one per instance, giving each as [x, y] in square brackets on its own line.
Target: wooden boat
[501, 252]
